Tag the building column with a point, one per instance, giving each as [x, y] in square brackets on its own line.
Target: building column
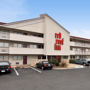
[46, 57]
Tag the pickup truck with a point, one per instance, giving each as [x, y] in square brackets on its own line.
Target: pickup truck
[5, 67]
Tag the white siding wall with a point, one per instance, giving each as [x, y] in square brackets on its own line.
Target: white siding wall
[50, 29]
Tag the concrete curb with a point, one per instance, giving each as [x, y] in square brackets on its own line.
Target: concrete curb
[77, 67]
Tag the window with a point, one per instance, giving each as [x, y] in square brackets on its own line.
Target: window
[17, 33]
[40, 46]
[17, 45]
[25, 45]
[65, 57]
[17, 57]
[4, 34]
[39, 57]
[14, 57]
[71, 48]
[42, 57]
[1, 44]
[33, 46]
[1, 58]
[4, 58]
[25, 33]
[4, 44]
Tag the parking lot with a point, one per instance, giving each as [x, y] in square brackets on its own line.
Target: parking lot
[30, 79]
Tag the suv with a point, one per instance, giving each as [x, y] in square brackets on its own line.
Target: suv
[5, 66]
[44, 65]
[85, 62]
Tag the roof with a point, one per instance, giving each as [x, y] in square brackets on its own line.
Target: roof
[11, 23]
[79, 38]
[42, 15]
[2, 23]
[14, 29]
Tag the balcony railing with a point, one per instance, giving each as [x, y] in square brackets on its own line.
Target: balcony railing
[25, 51]
[4, 36]
[79, 44]
[79, 53]
[25, 38]
[4, 50]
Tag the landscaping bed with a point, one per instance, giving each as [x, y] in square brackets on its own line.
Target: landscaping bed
[69, 66]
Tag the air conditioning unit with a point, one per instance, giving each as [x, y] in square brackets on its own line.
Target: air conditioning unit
[17, 62]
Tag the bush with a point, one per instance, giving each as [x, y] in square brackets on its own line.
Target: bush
[63, 64]
[55, 62]
[71, 61]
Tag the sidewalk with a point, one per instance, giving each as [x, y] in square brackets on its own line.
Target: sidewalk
[21, 66]
[70, 66]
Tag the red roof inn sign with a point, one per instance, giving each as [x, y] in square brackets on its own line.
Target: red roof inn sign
[58, 41]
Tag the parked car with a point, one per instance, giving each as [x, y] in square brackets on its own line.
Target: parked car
[44, 65]
[5, 66]
[85, 62]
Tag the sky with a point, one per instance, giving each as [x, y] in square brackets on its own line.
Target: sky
[74, 15]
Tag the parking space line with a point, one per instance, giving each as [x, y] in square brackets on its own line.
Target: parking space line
[36, 69]
[16, 72]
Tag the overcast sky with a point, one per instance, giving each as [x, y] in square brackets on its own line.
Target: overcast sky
[74, 15]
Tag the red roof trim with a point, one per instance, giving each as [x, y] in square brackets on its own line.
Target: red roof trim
[79, 38]
[1, 23]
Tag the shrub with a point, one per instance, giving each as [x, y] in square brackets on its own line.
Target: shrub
[55, 62]
[63, 64]
[71, 61]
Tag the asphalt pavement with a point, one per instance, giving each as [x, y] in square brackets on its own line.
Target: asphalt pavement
[29, 79]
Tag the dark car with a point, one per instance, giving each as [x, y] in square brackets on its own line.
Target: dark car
[5, 67]
[44, 65]
[83, 62]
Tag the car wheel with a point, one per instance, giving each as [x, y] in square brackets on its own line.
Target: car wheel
[9, 71]
[84, 64]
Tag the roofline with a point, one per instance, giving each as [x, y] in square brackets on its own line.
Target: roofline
[16, 22]
[43, 15]
[14, 29]
[2, 23]
[79, 38]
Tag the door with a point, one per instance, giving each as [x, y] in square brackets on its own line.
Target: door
[24, 59]
[58, 58]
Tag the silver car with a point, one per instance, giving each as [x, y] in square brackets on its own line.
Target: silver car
[85, 62]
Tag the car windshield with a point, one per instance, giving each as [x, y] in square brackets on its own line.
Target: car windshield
[83, 59]
[4, 63]
[86, 59]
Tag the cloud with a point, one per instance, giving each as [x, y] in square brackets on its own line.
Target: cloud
[11, 10]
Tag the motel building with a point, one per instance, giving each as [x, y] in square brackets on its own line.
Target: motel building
[42, 38]
[79, 47]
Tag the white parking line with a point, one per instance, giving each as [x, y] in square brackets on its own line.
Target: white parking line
[36, 69]
[16, 72]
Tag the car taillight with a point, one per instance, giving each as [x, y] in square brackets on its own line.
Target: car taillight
[9, 67]
[45, 65]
